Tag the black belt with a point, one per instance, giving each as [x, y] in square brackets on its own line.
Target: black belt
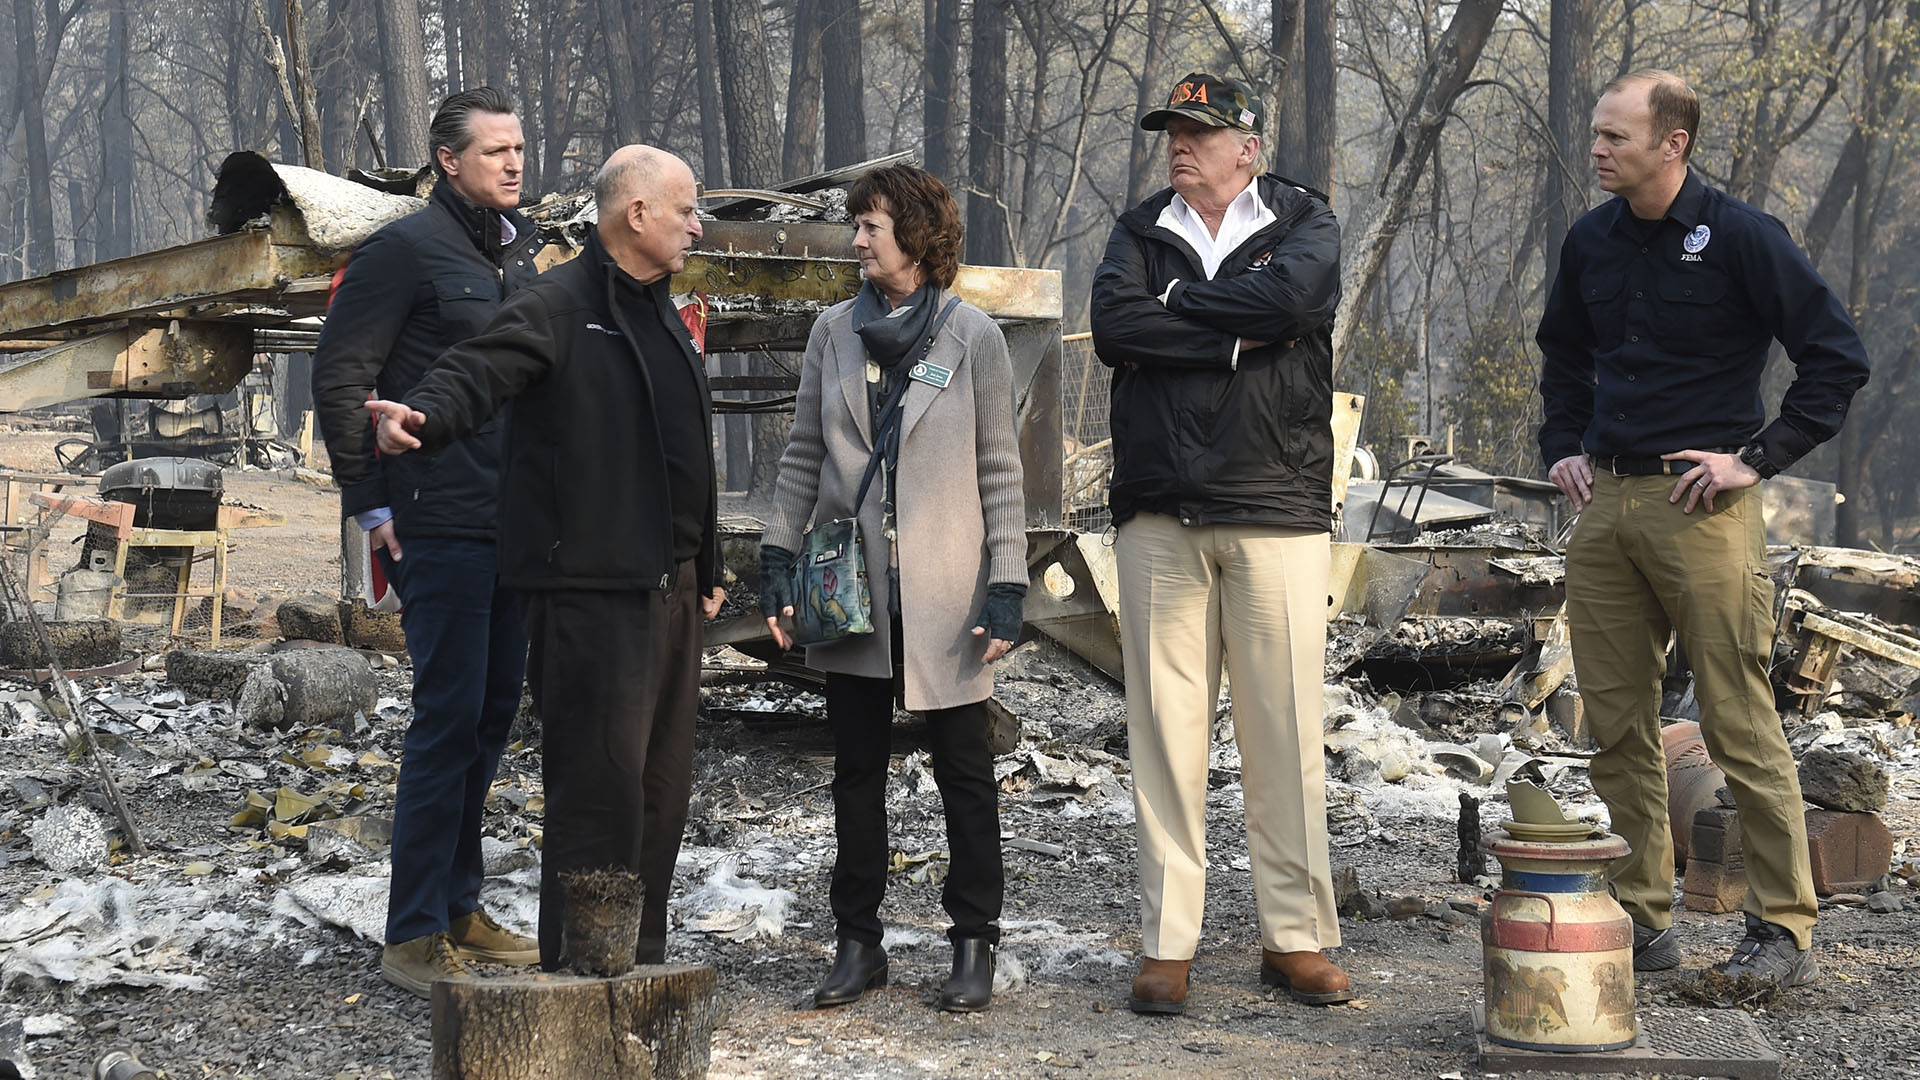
[1623, 465]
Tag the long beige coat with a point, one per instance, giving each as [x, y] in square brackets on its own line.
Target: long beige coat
[959, 499]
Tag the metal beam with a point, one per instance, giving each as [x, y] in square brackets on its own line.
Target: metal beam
[143, 359]
[245, 267]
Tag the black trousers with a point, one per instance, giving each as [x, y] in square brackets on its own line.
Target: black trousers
[860, 711]
[616, 677]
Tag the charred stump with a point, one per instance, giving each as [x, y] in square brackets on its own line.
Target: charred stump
[655, 1022]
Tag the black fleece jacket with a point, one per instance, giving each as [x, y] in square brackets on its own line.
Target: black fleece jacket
[1196, 435]
[421, 284]
[586, 500]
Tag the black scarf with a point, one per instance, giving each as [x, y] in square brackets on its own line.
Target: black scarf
[890, 333]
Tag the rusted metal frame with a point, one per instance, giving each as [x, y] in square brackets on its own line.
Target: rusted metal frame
[1461, 583]
[243, 267]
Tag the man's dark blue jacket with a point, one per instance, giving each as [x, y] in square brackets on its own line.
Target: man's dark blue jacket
[1655, 334]
[412, 290]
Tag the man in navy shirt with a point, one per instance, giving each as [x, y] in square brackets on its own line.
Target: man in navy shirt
[1655, 336]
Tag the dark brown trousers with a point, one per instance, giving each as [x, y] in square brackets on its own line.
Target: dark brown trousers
[616, 679]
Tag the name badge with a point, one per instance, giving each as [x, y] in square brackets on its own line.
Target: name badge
[932, 374]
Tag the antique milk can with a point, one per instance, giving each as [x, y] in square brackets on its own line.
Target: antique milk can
[1558, 949]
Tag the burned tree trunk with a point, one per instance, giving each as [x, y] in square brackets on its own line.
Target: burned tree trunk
[706, 78]
[1569, 101]
[656, 1021]
[1144, 172]
[746, 93]
[623, 82]
[311, 152]
[943, 47]
[404, 75]
[987, 241]
[1445, 75]
[32, 100]
[1315, 165]
[846, 86]
[114, 205]
[800, 148]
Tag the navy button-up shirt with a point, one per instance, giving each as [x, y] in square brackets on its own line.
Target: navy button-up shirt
[1655, 334]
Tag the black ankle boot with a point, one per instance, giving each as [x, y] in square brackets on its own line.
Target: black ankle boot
[857, 968]
[970, 987]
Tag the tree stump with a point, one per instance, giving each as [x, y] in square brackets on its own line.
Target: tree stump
[653, 1023]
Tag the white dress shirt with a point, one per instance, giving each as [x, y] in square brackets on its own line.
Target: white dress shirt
[1245, 215]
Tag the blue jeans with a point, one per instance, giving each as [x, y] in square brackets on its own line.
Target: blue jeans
[469, 655]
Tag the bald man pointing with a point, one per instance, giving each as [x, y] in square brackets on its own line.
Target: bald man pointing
[607, 524]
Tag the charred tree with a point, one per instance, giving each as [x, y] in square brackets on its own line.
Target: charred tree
[620, 22]
[1569, 105]
[114, 203]
[556, 108]
[1288, 95]
[800, 148]
[939, 79]
[987, 240]
[1315, 165]
[1146, 171]
[746, 93]
[404, 78]
[32, 104]
[454, 41]
[301, 72]
[706, 80]
[1442, 79]
[846, 84]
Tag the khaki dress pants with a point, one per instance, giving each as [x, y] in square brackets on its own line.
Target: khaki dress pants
[1258, 593]
[1638, 571]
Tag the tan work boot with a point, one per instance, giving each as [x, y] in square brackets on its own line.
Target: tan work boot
[415, 965]
[1310, 978]
[483, 940]
[1161, 987]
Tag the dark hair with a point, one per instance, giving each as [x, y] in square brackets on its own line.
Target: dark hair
[451, 127]
[1674, 105]
[926, 220]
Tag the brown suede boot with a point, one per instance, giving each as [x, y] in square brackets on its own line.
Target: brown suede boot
[1161, 987]
[1310, 978]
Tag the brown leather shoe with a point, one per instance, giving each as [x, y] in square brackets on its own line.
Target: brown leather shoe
[482, 939]
[1161, 987]
[1310, 978]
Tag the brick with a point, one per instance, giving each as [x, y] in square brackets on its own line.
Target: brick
[1716, 877]
[1849, 851]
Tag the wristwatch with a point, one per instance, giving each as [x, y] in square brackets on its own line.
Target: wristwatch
[1754, 456]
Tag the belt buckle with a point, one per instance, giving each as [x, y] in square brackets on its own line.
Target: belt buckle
[1613, 465]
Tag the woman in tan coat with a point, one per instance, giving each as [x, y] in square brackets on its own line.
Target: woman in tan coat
[946, 595]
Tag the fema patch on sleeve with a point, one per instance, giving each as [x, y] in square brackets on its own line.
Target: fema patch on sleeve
[1696, 240]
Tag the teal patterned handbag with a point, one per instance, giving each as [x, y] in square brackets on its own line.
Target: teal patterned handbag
[831, 597]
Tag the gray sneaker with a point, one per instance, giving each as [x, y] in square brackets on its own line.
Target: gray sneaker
[1768, 953]
[1655, 950]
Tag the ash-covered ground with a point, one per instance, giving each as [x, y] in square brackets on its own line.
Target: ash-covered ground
[251, 949]
[246, 943]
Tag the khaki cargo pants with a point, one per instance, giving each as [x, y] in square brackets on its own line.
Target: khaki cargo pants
[1639, 569]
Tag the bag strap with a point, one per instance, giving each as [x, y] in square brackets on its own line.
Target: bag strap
[894, 408]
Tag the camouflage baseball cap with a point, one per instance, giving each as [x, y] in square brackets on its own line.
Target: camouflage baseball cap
[1210, 99]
